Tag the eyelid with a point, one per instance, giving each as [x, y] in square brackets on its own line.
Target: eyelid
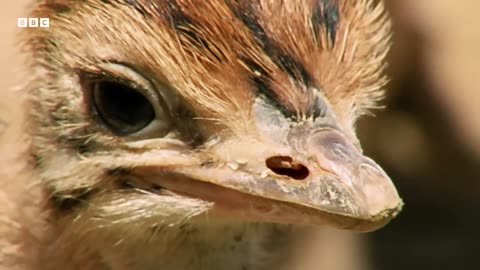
[124, 74]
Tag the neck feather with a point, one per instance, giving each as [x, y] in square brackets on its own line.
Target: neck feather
[233, 246]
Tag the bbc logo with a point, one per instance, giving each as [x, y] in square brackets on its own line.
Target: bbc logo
[33, 22]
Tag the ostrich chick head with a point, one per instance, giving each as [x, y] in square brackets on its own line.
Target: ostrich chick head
[151, 116]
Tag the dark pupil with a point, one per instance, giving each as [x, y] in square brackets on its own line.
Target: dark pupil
[123, 109]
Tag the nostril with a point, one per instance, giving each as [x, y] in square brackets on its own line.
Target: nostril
[285, 165]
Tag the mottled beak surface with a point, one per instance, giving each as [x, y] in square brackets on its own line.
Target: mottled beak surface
[303, 172]
[319, 178]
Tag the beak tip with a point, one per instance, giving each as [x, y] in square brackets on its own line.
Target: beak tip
[381, 197]
[378, 216]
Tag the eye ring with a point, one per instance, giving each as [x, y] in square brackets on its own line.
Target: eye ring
[127, 104]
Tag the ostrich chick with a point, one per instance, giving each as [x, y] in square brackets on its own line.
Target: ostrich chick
[189, 134]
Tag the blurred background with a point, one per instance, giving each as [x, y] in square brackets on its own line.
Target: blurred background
[427, 138]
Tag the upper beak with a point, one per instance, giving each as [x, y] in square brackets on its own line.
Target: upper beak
[318, 177]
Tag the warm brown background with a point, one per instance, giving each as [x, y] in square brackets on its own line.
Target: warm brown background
[9, 11]
[428, 138]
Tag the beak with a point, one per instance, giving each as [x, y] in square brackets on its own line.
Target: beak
[306, 172]
[317, 178]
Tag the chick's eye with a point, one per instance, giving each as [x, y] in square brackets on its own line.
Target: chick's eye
[123, 109]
